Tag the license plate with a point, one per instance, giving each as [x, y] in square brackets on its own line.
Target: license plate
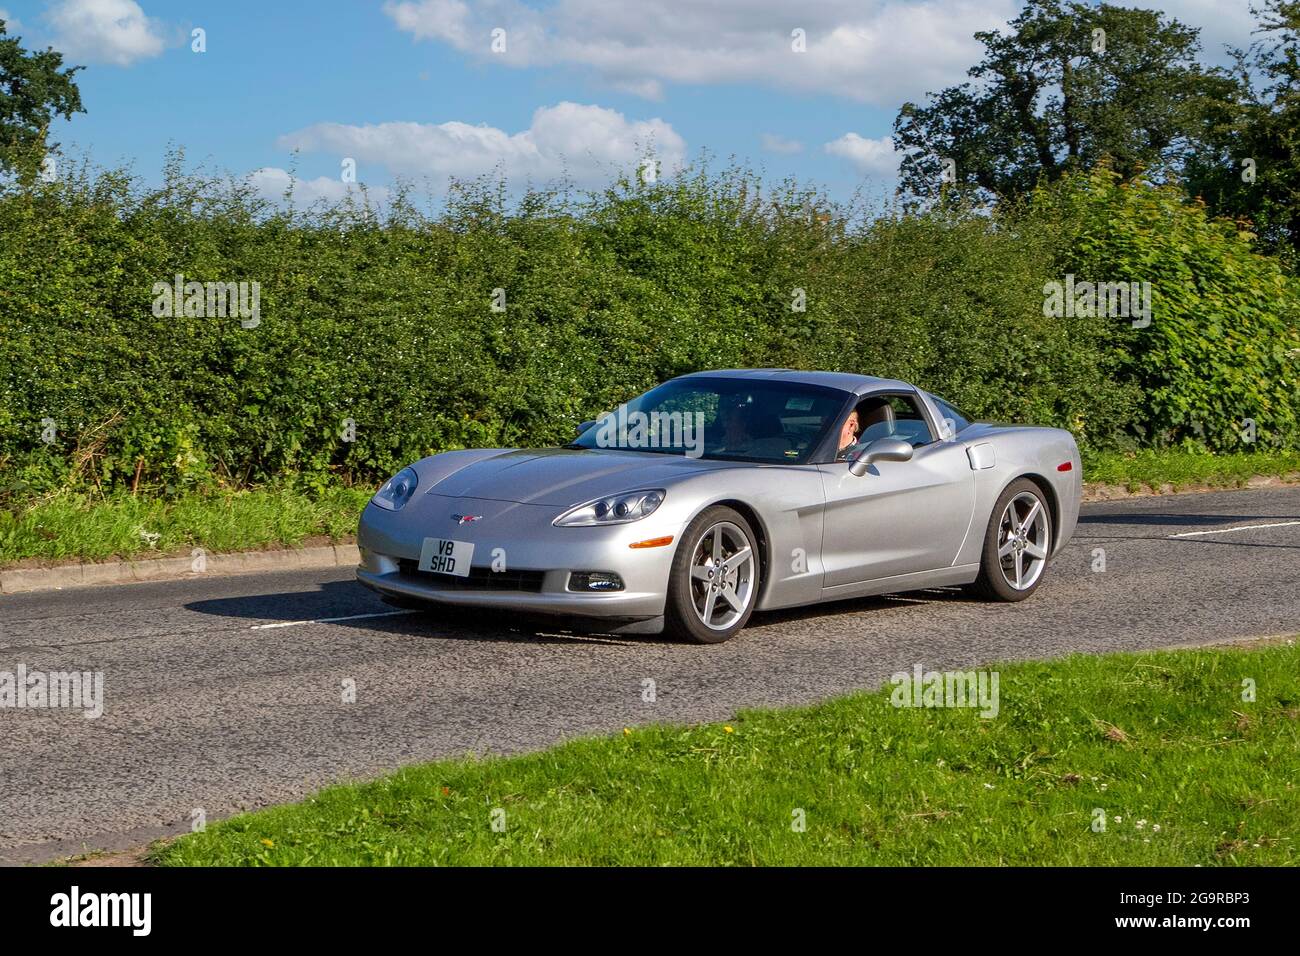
[442, 556]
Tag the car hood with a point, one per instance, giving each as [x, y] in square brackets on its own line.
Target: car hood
[564, 477]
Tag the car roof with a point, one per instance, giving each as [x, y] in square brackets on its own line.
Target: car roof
[843, 381]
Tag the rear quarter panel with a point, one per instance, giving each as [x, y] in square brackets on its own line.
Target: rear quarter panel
[1020, 452]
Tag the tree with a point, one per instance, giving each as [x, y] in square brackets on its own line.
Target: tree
[1251, 168]
[1215, 360]
[1069, 85]
[33, 88]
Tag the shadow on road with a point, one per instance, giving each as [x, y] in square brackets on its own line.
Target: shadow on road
[348, 604]
[1179, 520]
[859, 605]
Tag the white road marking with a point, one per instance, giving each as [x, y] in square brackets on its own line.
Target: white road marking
[1246, 527]
[328, 620]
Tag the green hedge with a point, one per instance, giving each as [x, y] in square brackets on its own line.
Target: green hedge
[388, 321]
[1219, 365]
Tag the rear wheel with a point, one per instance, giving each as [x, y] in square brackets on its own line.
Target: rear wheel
[713, 584]
[1016, 544]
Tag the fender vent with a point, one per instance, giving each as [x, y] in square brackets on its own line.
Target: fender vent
[981, 456]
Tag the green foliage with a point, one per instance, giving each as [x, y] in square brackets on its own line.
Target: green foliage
[90, 528]
[1049, 98]
[385, 326]
[1223, 345]
[33, 88]
[1264, 130]
[389, 322]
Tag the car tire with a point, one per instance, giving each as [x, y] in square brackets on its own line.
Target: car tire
[690, 615]
[1014, 558]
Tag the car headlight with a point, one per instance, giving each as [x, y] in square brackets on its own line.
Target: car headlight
[397, 490]
[612, 509]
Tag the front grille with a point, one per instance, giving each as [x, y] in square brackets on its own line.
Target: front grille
[478, 579]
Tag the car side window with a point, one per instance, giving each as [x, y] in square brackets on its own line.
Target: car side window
[893, 416]
[950, 414]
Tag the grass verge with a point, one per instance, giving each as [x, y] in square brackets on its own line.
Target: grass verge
[78, 527]
[90, 529]
[1161, 744]
[1184, 469]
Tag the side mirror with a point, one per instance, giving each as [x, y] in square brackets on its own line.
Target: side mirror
[882, 449]
[584, 426]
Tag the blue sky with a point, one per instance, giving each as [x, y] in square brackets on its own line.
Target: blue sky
[415, 88]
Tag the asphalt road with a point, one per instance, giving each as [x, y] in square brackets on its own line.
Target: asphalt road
[225, 694]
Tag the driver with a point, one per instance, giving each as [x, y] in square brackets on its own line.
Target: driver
[736, 428]
[849, 435]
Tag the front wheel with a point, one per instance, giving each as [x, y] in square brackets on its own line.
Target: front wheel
[713, 584]
[1016, 544]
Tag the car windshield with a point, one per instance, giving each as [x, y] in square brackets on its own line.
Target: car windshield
[734, 419]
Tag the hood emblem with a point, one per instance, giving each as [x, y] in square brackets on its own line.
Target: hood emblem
[466, 519]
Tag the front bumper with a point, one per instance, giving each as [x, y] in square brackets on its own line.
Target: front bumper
[521, 539]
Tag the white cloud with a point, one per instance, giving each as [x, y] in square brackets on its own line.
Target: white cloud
[105, 31]
[271, 183]
[876, 51]
[646, 89]
[774, 143]
[588, 144]
[12, 25]
[875, 157]
[433, 20]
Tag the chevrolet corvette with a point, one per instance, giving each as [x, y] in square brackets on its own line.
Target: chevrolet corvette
[717, 494]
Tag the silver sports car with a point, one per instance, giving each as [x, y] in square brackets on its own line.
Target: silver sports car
[719, 493]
